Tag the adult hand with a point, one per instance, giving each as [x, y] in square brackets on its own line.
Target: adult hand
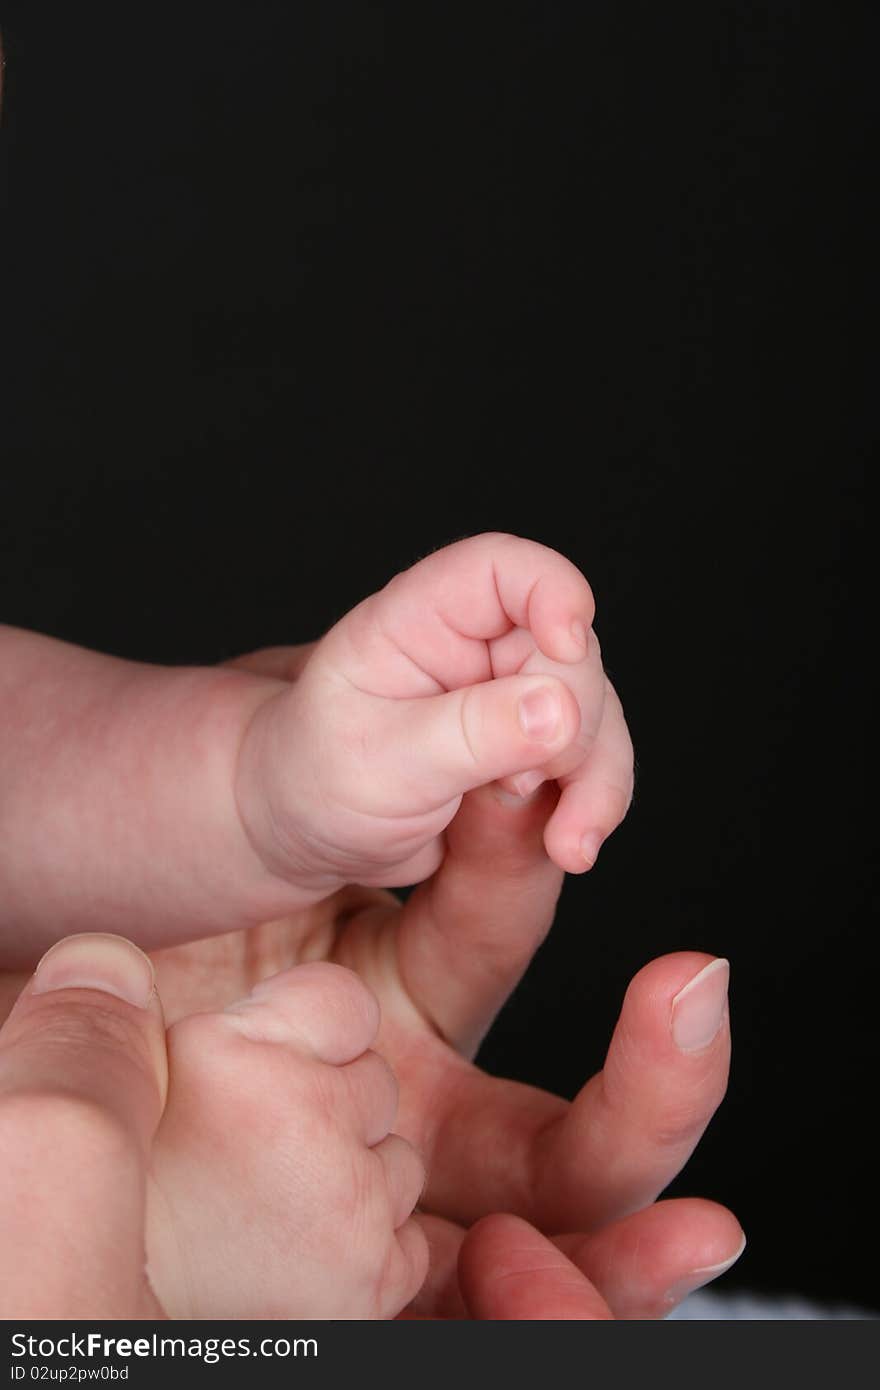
[82, 1080]
[83, 1076]
[508, 1270]
[442, 964]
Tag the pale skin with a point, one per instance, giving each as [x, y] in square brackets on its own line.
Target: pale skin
[83, 1074]
[381, 819]
[488, 1141]
[276, 1188]
[589, 1169]
[632, 1127]
[83, 1080]
[201, 800]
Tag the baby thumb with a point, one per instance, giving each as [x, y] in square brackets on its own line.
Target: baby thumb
[442, 746]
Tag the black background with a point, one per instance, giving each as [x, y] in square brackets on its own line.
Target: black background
[293, 293]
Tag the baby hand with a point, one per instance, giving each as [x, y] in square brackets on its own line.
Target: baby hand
[479, 664]
[277, 1189]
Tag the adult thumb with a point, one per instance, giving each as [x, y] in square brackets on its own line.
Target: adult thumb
[83, 1078]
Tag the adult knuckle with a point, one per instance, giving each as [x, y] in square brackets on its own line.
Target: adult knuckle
[91, 1026]
[92, 1037]
[76, 1127]
[677, 1131]
[679, 1125]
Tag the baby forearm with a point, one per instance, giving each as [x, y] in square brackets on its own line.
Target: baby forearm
[117, 800]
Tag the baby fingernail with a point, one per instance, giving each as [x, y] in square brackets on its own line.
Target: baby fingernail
[699, 1277]
[526, 782]
[590, 845]
[508, 795]
[540, 715]
[697, 1010]
[579, 633]
[94, 960]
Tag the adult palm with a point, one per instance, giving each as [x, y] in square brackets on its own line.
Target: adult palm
[441, 965]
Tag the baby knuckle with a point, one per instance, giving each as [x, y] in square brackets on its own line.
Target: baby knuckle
[346, 991]
[412, 1176]
[402, 1271]
[492, 540]
[616, 802]
[469, 706]
[388, 1281]
[323, 1098]
[382, 1080]
[196, 1032]
[201, 1040]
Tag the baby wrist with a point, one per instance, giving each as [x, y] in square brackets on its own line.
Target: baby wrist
[268, 771]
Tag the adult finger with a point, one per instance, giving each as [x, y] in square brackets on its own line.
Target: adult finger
[643, 1265]
[647, 1263]
[82, 1085]
[508, 1270]
[465, 937]
[495, 1145]
[634, 1125]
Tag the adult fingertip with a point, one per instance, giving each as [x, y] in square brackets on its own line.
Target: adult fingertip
[647, 1262]
[91, 990]
[97, 961]
[698, 1008]
[700, 1277]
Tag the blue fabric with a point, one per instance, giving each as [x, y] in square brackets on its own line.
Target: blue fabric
[737, 1307]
